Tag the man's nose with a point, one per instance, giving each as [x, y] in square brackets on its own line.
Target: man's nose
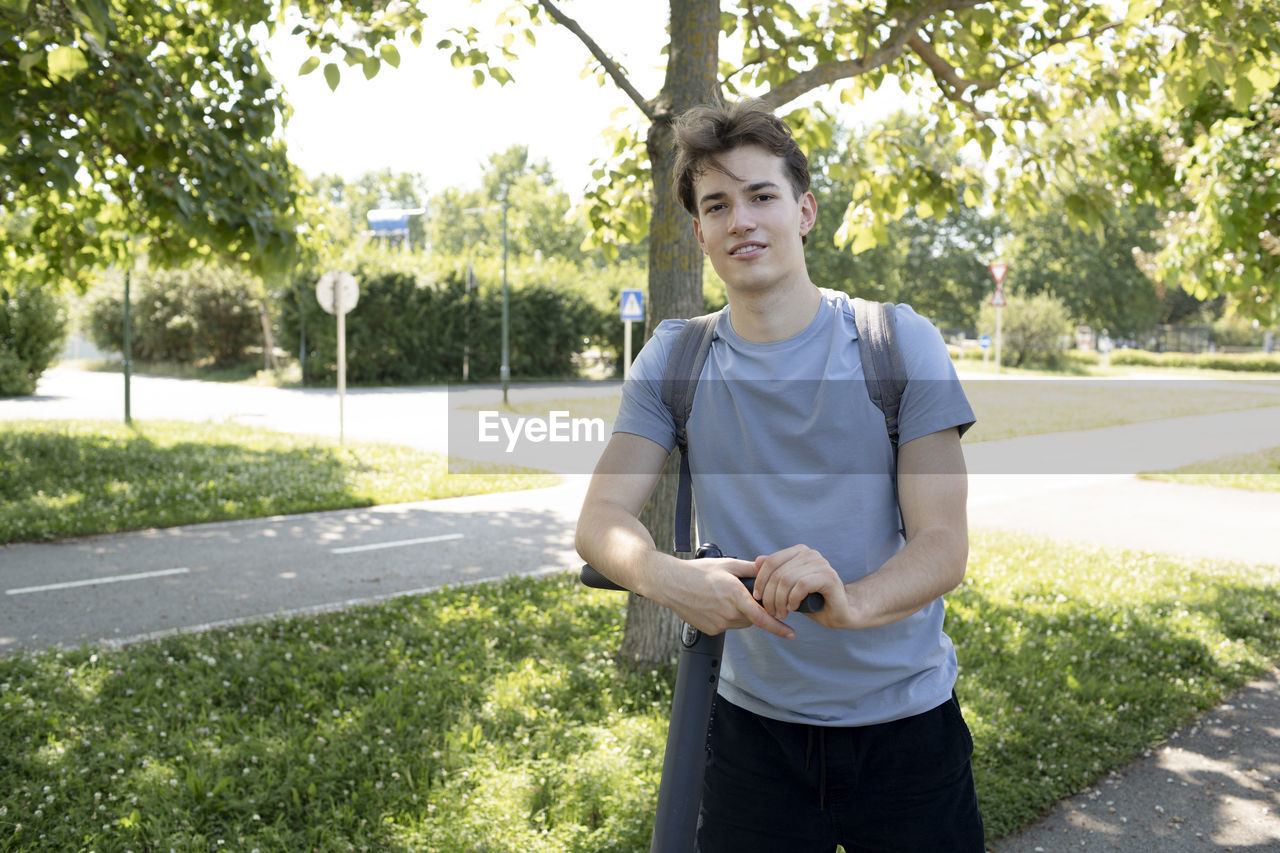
[741, 221]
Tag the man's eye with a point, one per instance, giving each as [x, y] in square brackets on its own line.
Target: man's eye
[764, 197]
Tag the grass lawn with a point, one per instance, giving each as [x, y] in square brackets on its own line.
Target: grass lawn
[1256, 471]
[1007, 409]
[65, 478]
[494, 718]
[247, 373]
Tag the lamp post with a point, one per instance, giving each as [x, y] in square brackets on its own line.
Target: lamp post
[504, 372]
[127, 347]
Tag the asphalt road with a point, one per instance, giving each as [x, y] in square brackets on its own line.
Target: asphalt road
[122, 588]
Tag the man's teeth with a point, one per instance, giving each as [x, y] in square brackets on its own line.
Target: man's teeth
[743, 249]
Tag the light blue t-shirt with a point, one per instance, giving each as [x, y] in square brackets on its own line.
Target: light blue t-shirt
[785, 448]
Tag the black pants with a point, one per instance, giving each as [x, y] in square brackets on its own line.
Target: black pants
[900, 786]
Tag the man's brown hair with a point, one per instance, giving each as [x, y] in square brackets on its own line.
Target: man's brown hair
[709, 130]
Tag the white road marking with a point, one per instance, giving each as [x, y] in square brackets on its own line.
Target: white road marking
[316, 610]
[95, 581]
[399, 543]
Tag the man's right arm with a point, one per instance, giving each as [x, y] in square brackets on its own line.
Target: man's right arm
[705, 593]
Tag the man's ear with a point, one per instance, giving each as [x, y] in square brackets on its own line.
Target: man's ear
[808, 213]
[697, 232]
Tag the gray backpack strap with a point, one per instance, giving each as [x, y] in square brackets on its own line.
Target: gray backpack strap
[883, 368]
[882, 364]
[679, 384]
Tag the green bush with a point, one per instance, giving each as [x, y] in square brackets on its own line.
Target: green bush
[189, 315]
[1235, 331]
[405, 329]
[1082, 357]
[1245, 363]
[1240, 362]
[1032, 329]
[1135, 358]
[33, 327]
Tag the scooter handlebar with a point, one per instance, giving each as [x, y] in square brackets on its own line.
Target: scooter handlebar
[590, 577]
[812, 603]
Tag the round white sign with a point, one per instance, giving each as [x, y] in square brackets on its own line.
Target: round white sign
[335, 283]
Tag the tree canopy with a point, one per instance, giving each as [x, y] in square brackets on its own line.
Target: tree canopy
[124, 115]
[147, 119]
[1101, 282]
[937, 264]
[1014, 84]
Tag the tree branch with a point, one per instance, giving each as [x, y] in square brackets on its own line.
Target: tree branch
[761, 51]
[942, 70]
[611, 68]
[953, 86]
[1061, 40]
[827, 73]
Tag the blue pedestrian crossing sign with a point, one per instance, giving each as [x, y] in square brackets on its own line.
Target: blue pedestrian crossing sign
[632, 304]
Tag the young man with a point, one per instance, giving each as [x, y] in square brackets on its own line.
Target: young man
[839, 727]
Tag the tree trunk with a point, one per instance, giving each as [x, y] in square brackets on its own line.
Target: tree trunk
[675, 281]
[269, 361]
[652, 631]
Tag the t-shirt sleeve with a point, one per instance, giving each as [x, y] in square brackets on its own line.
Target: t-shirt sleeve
[934, 399]
[641, 411]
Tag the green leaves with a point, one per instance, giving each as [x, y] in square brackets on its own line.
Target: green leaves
[137, 148]
[66, 62]
[332, 75]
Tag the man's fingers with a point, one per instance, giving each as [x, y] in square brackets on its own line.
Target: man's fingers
[762, 619]
[756, 614]
[778, 558]
[787, 576]
[740, 568]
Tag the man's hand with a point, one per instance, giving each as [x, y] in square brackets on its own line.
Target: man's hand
[784, 578]
[709, 595]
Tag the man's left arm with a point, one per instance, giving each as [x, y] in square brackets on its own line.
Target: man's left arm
[932, 493]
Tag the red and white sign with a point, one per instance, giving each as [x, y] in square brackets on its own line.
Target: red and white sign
[997, 272]
[997, 298]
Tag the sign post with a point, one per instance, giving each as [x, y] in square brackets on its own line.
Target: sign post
[337, 293]
[632, 310]
[998, 271]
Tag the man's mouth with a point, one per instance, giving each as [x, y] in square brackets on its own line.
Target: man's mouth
[746, 250]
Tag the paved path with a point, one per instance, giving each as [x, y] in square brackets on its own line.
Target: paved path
[415, 416]
[1213, 785]
[120, 588]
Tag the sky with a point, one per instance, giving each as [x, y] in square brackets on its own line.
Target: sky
[427, 117]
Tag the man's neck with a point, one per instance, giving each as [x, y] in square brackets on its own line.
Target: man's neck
[767, 316]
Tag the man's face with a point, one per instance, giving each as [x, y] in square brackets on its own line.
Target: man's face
[749, 221]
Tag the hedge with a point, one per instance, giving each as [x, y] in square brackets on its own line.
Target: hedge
[405, 329]
[184, 316]
[1242, 362]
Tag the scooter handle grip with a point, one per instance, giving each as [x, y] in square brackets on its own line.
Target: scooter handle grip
[812, 603]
